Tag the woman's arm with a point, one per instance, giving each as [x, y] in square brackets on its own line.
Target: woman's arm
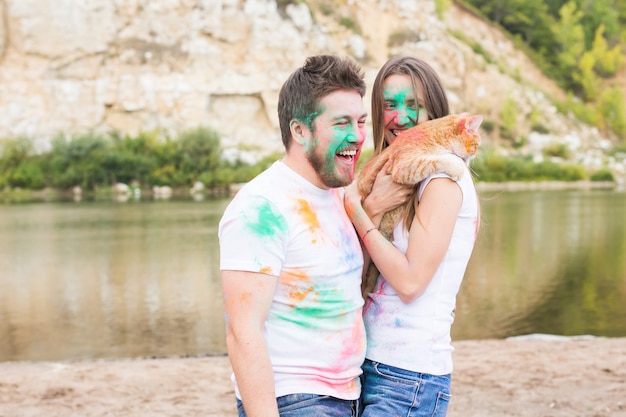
[429, 238]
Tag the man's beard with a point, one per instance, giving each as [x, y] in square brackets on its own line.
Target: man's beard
[326, 170]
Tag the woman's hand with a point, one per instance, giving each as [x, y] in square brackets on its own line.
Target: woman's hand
[352, 201]
[385, 196]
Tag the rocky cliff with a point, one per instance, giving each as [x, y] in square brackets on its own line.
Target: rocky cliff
[130, 65]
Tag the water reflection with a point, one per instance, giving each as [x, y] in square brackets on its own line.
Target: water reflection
[103, 279]
[541, 261]
[109, 280]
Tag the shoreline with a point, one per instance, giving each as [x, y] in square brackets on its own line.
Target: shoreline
[48, 194]
[545, 185]
[524, 376]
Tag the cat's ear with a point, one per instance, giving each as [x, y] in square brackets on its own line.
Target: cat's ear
[472, 123]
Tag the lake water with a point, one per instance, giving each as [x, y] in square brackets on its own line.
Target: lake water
[141, 278]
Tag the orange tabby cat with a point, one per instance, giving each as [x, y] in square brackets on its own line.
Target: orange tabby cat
[443, 145]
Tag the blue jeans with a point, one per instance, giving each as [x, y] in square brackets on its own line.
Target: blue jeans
[311, 405]
[391, 391]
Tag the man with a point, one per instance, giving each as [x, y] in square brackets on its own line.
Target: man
[291, 261]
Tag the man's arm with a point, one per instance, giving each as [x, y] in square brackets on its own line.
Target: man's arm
[247, 300]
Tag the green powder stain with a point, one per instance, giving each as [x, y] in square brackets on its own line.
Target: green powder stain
[339, 136]
[263, 220]
[399, 101]
[307, 312]
[308, 120]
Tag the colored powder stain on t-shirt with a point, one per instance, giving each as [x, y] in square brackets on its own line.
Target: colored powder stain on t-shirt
[315, 306]
[372, 308]
[309, 217]
[299, 284]
[329, 303]
[266, 270]
[264, 221]
[355, 343]
[353, 254]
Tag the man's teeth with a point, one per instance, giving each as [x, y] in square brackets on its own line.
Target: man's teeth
[348, 152]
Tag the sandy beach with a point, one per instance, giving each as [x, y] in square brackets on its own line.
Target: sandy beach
[530, 376]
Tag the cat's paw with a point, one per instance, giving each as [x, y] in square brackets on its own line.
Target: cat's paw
[452, 165]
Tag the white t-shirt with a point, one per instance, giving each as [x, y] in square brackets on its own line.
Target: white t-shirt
[282, 225]
[416, 335]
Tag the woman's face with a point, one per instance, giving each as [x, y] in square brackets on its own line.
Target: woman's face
[402, 108]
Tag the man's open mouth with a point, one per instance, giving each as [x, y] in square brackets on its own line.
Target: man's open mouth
[347, 154]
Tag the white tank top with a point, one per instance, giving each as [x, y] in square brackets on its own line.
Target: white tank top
[416, 335]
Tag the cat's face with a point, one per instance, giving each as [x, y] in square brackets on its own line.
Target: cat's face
[468, 125]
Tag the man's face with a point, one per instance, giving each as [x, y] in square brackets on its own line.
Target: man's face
[337, 137]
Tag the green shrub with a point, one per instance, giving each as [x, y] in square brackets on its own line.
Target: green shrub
[508, 115]
[351, 24]
[27, 175]
[540, 128]
[77, 161]
[493, 167]
[552, 171]
[603, 174]
[559, 150]
[326, 9]
[401, 36]
[488, 125]
[441, 7]
[199, 155]
[612, 107]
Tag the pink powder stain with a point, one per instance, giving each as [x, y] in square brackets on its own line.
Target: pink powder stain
[476, 227]
[354, 343]
[375, 308]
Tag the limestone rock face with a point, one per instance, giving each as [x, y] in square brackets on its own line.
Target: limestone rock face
[69, 66]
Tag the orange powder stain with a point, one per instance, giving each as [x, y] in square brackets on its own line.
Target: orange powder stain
[295, 281]
[350, 386]
[266, 270]
[308, 215]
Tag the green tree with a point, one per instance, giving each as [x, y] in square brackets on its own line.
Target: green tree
[608, 62]
[77, 161]
[168, 156]
[530, 19]
[14, 152]
[200, 154]
[600, 13]
[586, 77]
[508, 115]
[570, 40]
[131, 159]
[27, 174]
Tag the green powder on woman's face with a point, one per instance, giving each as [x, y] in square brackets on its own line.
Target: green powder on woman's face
[400, 102]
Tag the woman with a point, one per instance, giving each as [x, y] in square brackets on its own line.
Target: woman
[409, 313]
